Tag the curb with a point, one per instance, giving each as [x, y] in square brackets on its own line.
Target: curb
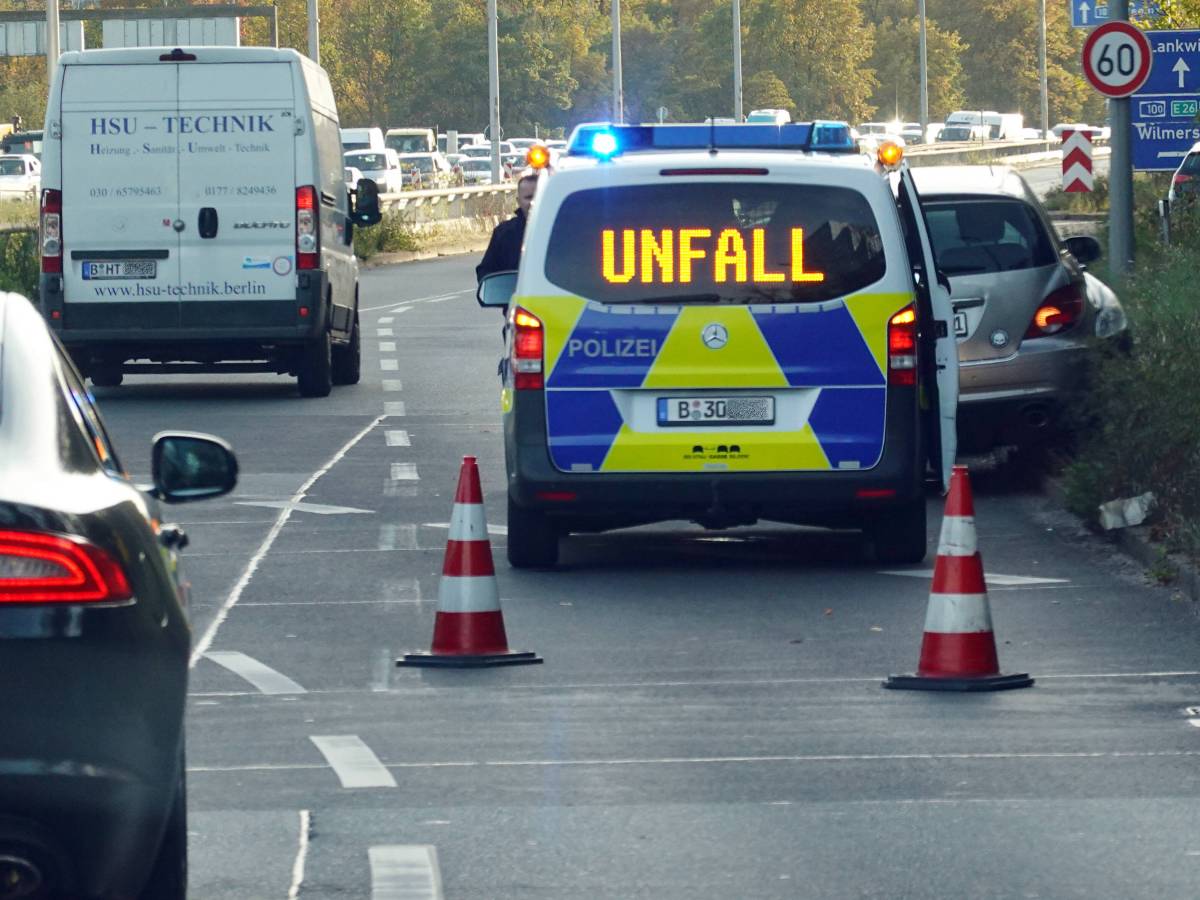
[1135, 543]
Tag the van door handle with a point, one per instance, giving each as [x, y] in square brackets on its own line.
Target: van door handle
[208, 222]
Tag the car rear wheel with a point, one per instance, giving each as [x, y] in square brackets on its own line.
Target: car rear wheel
[532, 538]
[316, 368]
[107, 377]
[168, 878]
[347, 361]
[899, 536]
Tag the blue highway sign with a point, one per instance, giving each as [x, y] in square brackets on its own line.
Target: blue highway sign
[1090, 13]
[1165, 109]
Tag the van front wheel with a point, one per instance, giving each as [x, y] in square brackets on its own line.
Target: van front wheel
[347, 360]
[316, 368]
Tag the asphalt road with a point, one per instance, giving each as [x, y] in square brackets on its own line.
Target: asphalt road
[709, 721]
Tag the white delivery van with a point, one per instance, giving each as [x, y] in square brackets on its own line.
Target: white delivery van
[362, 139]
[194, 216]
[412, 140]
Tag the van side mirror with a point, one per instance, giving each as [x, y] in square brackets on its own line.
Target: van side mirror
[366, 203]
[496, 289]
[189, 466]
[1084, 248]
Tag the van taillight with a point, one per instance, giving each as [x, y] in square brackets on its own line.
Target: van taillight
[902, 347]
[528, 345]
[308, 238]
[51, 231]
[1058, 312]
[49, 568]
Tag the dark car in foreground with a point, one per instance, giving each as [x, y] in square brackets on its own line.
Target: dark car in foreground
[1025, 309]
[94, 636]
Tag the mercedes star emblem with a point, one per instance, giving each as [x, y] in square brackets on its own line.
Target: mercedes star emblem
[714, 336]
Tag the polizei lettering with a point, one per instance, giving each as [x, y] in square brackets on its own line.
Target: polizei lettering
[612, 348]
[244, 123]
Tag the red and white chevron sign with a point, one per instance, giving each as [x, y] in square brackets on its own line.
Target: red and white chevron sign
[1077, 161]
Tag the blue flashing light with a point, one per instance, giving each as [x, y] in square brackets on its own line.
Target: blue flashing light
[604, 140]
[604, 144]
[833, 136]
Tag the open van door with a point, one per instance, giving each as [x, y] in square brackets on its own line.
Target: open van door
[936, 315]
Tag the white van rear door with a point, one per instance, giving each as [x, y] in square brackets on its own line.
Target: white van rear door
[120, 197]
[237, 176]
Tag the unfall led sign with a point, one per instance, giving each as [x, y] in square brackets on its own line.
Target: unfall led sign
[679, 255]
[1077, 161]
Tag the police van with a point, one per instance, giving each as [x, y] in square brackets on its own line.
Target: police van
[194, 216]
[724, 324]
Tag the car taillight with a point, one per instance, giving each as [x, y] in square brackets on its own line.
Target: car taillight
[529, 342]
[1180, 178]
[51, 568]
[902, 347]
[51, 231]
[308, 243]
[1058, 312]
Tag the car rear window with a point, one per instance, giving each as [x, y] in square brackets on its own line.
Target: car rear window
[1191, 164]
[719, 242]
[972, 236]
[368, 161]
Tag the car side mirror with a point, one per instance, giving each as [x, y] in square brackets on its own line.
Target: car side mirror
[496, 289]
[1085, 249]
[366, 203]
[189, 466]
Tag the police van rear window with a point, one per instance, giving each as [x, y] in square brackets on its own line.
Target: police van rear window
[715, 242]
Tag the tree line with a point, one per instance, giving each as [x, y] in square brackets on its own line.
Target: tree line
[424, 62]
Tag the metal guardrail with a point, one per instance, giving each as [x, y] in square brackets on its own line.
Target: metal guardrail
[443, 204]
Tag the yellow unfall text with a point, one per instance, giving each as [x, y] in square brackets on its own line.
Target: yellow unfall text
[674, 255]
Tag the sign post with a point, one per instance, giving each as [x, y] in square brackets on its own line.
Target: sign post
[1116, 62]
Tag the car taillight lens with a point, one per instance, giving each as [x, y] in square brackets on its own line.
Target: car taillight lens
[1180, 179]
[902, 347]
[51, 231]
[1057, 313]
[528, 345]
[51, 568]
[308, 245]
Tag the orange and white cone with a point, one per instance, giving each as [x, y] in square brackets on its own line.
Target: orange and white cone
[958, 652]
[469, 629]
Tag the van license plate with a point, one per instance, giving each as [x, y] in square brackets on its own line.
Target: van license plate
[673, 411]
[125, 268]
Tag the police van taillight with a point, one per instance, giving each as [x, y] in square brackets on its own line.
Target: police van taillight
[528, 347]
[51, 231]
[902, 348]
[308, 238]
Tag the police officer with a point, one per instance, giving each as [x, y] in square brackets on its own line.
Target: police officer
[504, 250]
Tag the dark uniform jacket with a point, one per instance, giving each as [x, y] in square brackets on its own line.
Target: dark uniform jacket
[504, 251]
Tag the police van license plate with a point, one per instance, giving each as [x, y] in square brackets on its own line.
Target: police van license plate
[716, 411]
[94, 270]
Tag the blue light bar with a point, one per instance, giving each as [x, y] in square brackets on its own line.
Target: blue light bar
[604, 140]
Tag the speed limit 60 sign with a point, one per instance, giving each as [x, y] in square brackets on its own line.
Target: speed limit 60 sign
[1116, 59]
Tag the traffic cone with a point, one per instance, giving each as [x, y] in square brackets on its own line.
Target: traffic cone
[958, 652]
[469, 629]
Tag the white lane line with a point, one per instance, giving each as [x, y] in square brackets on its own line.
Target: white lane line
[397, 537]
[403, 309]
[329, 603]
[258, 674]
[393, 408]
[499, 530]
[393, 384]
[397, 437]
[387, 346]
[405, 872]
[725, 760]
[385, 332]
[301, 855]
[991, 578]
[205, 641]
[386, 320]
[355, 764]
[320, 509]
[405, 472]
[389, 365]
[403, 305]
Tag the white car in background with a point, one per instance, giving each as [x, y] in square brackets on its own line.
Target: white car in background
[485, 150]
[383, 166]
[20, 177]
[352, 177]
[478, 170]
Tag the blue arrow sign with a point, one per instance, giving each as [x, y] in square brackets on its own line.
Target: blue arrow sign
[1090, 13]
[1164, 111]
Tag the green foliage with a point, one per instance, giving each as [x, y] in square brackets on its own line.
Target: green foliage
[19, 265]
[1093, 201]
[391, 235]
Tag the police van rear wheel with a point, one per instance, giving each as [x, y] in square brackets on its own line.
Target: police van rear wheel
[532, 538]
[899, 536]
[347, 361]
[316, 368]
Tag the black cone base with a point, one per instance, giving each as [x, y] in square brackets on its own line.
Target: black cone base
[986, 683]
[469, 661]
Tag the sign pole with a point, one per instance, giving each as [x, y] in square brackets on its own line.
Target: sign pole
[1042, 73]
[737, 60]
[618, 103]
[494, 87]
[1120, 176]
[314, 32]
[51, 37]
[924, 75]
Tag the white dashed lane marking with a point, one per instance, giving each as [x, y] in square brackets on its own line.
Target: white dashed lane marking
[258, 674]
[354, 763]
[321, 509]
[393, 408]
[387, 346]
[393, 384]
[405, 472]
[501, 530]
[397, 438]
[386, 320]
[405, 872]
[389, 365]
